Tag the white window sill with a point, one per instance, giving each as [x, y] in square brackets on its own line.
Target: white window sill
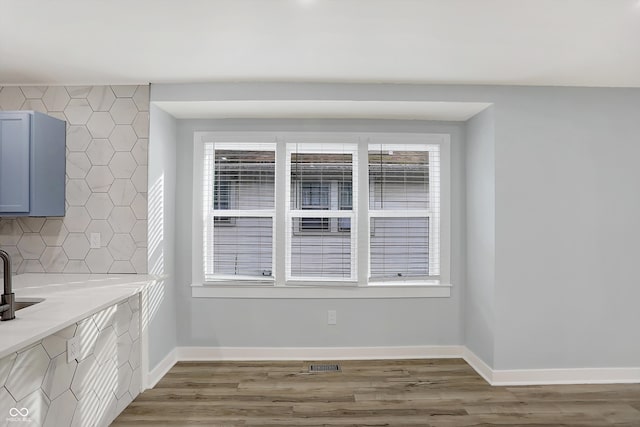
[199, 290]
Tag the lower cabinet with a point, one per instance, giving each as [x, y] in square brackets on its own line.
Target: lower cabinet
[38, 386]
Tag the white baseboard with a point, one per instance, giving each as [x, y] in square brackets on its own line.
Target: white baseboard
[478, 365]
[492, 376]
[566, 376]
[318, 353]
[161, 369]
[504, 377]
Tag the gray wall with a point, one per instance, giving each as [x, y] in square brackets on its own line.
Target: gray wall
[162, 217]
[567, 223]
[567, 228]
[479, 296]
[303, 322]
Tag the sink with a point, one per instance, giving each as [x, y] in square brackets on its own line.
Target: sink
[26, 302]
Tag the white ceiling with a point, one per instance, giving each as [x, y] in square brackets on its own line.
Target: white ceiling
[526, 42]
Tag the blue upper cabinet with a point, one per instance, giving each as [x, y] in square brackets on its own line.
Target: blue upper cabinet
[32, 164]
[14, 162]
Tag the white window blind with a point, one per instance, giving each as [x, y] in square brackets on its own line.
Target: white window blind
[320, 211]
[404, 212]
[238, 204]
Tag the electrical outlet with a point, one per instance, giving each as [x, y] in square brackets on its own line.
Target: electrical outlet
[332, 317]
[95, 241]
[73, 349]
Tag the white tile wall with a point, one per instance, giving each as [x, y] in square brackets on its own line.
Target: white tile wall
[87, 392]
[107, 138]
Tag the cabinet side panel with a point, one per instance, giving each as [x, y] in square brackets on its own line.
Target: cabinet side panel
[49, 164]
[14, 163]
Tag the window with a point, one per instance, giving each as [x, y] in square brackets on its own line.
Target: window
[329, 209]
[404, 211]
[239, 196]
[319, 170]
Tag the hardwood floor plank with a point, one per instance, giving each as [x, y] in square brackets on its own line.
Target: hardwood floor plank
[436, 392]
[223, 395]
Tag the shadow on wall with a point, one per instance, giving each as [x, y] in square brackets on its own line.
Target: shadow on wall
[156, 252]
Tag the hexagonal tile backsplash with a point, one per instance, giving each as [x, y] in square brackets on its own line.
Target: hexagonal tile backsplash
[107, 139]
[89, 391]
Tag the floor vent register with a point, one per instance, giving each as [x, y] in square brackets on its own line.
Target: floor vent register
[324, 368]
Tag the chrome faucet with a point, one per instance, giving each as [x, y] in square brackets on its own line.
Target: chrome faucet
[7, 305]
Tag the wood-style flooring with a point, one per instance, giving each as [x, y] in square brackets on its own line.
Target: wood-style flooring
[437, 392]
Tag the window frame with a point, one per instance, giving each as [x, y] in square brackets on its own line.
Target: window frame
[429, 213]
[233, 211]
[311, 145]
[280, 286]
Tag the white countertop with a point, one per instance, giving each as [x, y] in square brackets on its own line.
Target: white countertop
[68, 299]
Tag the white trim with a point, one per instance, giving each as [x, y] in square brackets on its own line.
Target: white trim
[323, 281]
[506, 377]
[325, 291]
[317, 145]
[478, 365]
[493, 377]
[444, 242]
[161, 369]
[297, 213]
[227, 279]
[566, 376]
[245, 146]
[318, 353]
[435, 201]
[262, 213]
[407, 213]
[197, 230]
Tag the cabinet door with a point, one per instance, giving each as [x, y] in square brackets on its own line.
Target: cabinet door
[14, 162]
